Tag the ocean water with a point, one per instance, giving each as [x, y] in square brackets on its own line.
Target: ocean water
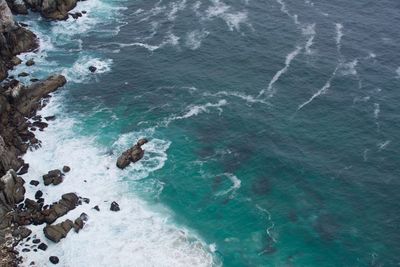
[273, 129]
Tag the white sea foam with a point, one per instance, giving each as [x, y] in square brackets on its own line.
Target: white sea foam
[383, 145]
[248, 98]
[377, 110]
[195, 38]
[195, 110]
[398, 72]
[232, 18]
[175, 8]
[321, 91]
[349, 68]
[310, 32]
[137, 235]
[236, 184]
[339, 36]
[80, 73]
[289, 58]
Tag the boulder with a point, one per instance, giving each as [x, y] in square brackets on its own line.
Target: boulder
[54, 259]
[30, 62]
[12, 192]
[66, 169]
[114, 206]
[54, 177]
[42, 246]
[57, 9]
[133, 154]
[92, 69]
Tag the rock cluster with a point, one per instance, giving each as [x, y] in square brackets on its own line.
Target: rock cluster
[58, 231]
[133, 154]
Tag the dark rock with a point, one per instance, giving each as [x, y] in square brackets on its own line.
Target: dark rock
[56, 9]
[50, 118]
[36, 241]
[84, 12]
[30, 62]
[40, 124]
[26, 250]
[38, 194]
[42, 246]
[92, 69]
[96, 208]
[34, 183]
[54, 259]
[66, 169]
[34, 80]
[133, 154]
[16, 61]
[114, 206]
[24, 169]
[56, 232]
[23, 74]
[54, 177]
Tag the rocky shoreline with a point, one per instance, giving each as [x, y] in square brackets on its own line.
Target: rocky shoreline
[19, 104]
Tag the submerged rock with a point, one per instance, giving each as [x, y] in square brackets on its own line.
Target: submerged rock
[133, 154]
[30, 62]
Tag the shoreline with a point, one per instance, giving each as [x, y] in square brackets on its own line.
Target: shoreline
[19, 104]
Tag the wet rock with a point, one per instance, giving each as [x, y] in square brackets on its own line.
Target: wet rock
[23, 74]
[114, 206]
[26, 250]
[50, 118]
[56, 232]
[34, 80]
[30, 62]
[54, 177]
[38, 194]
[66, 169]
[54, 259]
[16, 61]
[24, 169]
[21, 232]
[36, 241]
[96, 208]
[34, 183]
[92, 69]
[133, 154]
[56, 9]
[42, 246]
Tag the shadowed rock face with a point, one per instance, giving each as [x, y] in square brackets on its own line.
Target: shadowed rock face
[16, 104]
[14, 39]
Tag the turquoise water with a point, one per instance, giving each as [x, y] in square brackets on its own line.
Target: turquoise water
[280, 120]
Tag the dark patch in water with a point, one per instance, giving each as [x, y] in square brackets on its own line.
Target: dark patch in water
[261, 186]
[327, 227]
[293, 216]
[217, 183]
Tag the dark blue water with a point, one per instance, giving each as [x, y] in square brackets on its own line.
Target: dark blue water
[281, 119]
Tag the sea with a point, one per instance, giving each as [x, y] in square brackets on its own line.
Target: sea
[273, 130]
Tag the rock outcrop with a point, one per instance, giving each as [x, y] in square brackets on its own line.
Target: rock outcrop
[14, 39]
[133, 154]
[58, 231]
[17, 103]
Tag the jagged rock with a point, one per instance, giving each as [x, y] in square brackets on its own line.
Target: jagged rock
[96, 208]
[57, 9]
[114, 206]
[30, 62]
[12, 191]
[15, 61]
[24, 169]
[17, 7]
[21, 232]
[92, 69]
[133, 154]
[66, 169]
[54, 259]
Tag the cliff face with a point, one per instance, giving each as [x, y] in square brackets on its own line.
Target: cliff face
[14, 39]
